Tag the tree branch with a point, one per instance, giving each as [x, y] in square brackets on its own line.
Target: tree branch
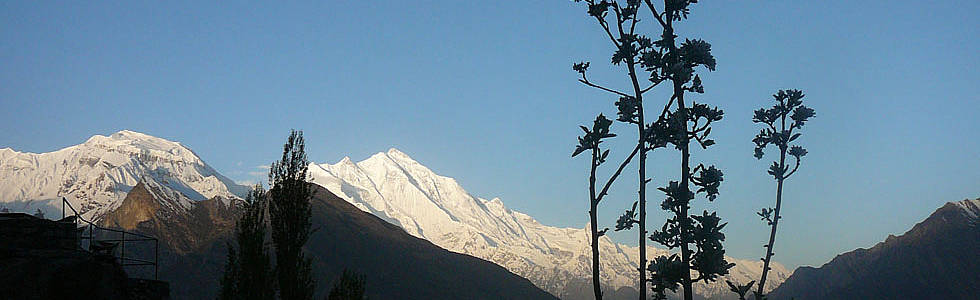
[794, 168]
[655, 14]
[586, 81]
[605, 188]
[649, 87]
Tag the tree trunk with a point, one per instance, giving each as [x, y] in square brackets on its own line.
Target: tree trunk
[775, 220]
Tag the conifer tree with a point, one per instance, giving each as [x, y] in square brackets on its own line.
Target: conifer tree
[255, 272]
[248, 272]
[229, 280]
[290, 213]
[350, 286]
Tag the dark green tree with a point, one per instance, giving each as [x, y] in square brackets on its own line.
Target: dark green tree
[248, 272]
[779, 132]
[290, 219]
[229, 280]
[665, 60]
[350, 286]
[256, 270]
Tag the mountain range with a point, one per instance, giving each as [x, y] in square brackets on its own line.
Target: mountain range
[939, 258]
[176, 194]
[96, 175]
[399, 189]
[395, 265]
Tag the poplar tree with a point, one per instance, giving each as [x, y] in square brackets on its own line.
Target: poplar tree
[290, 219]
[350, 286]
[248, 272]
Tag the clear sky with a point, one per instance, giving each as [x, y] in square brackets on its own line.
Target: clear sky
[483, 91]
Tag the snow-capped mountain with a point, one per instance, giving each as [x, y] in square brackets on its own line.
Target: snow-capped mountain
[96, 175]
[393, 186]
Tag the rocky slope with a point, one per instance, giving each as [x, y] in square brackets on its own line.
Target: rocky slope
[181, 225]
[397, 188]
[938, 258]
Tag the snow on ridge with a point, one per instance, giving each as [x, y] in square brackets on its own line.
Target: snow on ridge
[970, 207]
[395, 187]
[96, 175]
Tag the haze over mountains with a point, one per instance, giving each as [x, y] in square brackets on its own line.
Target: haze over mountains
[96, 175]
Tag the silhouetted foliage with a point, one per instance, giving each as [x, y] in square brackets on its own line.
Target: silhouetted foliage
[780, 133]
[741, 290]
[248, 273]
[590, 141]
[698, 236]
[350, 286]
[230, 279]
[290, 215]
[618, 22]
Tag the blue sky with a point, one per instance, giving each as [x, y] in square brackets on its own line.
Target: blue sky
[484, 92]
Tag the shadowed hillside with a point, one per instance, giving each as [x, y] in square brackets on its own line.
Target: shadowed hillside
[937, 259]
[396, 265]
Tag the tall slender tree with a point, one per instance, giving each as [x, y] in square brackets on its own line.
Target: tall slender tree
[591, 141]
[290, 214]
[229, 280]
[620, 27]
[779, 132]
[248, 272]
[699, 237]
[350, 286]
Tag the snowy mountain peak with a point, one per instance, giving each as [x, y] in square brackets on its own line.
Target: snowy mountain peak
[395, 187]
[96, 175]
[127, 141]
[970, 207]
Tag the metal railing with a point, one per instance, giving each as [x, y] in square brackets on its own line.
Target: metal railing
[98, 233]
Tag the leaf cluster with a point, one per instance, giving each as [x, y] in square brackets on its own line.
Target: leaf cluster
[741, 290]
[593, 137]
[789, 104]
[781, 132]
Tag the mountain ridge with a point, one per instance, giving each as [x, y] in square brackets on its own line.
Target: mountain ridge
[97, 174]
[936, 259]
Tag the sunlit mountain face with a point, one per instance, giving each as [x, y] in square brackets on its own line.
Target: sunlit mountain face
[399, 189]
